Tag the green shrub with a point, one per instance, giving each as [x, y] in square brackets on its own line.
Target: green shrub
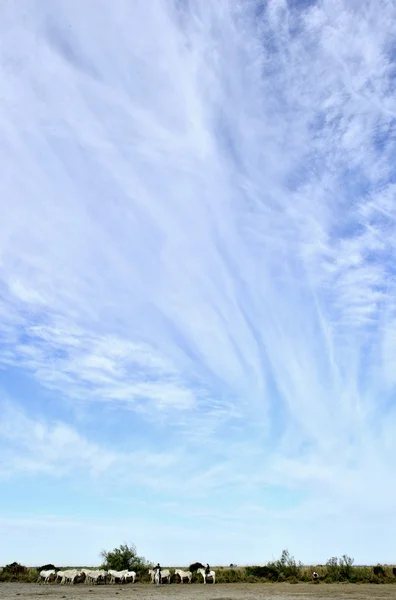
[195, 566]
[287, 566]
[333, 570]
[230, 575]
[18, 573]
[251, 579]
[360, 575]
[257, 572]
[379, 571]
[15, 569]
[346, 567]
[125, 557]
[283, 569]
[48, 567]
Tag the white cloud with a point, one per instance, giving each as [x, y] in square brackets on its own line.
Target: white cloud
[32, 446]
[35, 446]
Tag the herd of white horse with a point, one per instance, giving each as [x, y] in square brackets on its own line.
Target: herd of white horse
[166, 575]
[90, 576]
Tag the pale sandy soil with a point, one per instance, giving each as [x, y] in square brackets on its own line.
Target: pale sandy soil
[221, 591]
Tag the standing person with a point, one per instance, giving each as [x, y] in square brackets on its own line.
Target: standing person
[158, 568]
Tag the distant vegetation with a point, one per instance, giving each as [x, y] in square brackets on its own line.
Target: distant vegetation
[125, 557]
[284, 569]
[195, 566]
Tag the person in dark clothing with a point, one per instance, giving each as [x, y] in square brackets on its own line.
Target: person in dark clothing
[158, 568]
[207, 570]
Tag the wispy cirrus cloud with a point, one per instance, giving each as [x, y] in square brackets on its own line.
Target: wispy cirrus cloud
[198, 225]
[37, 445]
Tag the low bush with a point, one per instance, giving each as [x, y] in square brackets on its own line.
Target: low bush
[283, 569]
[19, 573]
[48, 567]
[15, 569]
[379, 571]
[230, 575]
[195, 566]
[258, 572]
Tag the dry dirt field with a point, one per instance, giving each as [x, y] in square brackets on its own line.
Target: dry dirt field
[225, 591]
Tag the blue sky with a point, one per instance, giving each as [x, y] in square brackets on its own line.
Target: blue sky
[197, 281]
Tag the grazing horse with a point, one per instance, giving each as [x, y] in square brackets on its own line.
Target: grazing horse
[211, 574]
[68, 576]
[92, 577]
[114, 575]
[46, 575]
[184, 575]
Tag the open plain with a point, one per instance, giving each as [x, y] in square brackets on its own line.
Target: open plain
[235, 591]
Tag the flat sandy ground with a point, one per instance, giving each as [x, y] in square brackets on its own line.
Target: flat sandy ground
[220, 591]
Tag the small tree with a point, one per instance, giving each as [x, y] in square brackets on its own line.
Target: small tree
[287, 565]
[333, 569]
[282, 569]
[346, 566]
[124, 557]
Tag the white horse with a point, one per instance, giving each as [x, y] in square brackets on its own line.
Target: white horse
[114, 575]
[184, 575]
[211, 574]
[46, 575]
[128, 575]
[68, 576]
[165, 574]
[94, 576]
